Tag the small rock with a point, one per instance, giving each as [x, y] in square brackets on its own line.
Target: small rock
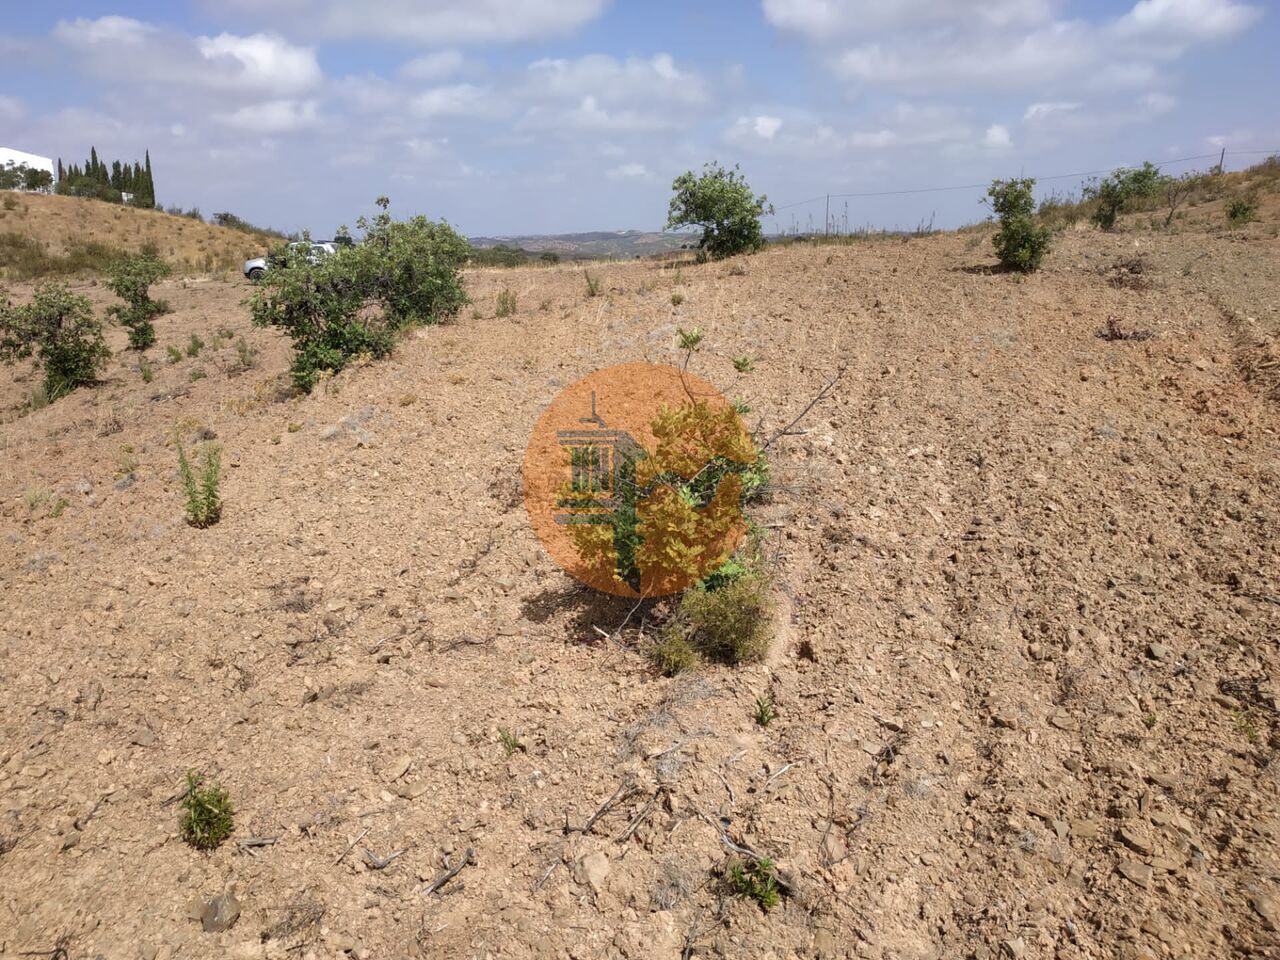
[593, 870]
[1135, 841]
[397, 769]
[1135, 872]
[1158, 651]
[106, 756]
[1268, 909]
[219, 913]
[1015, 947]
[143, 737]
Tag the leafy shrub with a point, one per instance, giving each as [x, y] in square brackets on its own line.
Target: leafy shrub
[1112, 193]
[1020, 243]
[721, 202]
[729, 622]
[755, 881]
[499, 255]
[194, 346]
[130, 278]
[673, 654]
[357, 301]
[200, 493]
[59, 328]
[207, 814]
[1241, 210]
[506, 303]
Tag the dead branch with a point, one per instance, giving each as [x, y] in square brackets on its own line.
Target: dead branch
[818, 397]
[449, 872]
[640, 817]
[624, 792]
[376, 862]
[342, 856]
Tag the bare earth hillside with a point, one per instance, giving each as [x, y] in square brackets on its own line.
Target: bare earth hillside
[1026, 676]
[61, 223]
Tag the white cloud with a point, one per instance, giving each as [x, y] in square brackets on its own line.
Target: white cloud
[610, 80]
[458, 99]
[432, 22]
[824, 19]
[1184, 21]
[432, 66]
[272, 117]
[997, 137]
[261, 62]
[1038, 112]
[767, 127]
[629, 171]
[120, 49]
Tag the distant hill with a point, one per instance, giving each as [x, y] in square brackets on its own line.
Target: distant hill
[623, 244]
[44, 235]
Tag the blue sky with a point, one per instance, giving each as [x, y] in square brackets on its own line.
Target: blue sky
[548, 116]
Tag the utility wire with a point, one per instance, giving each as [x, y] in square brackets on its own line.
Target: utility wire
[983, 186]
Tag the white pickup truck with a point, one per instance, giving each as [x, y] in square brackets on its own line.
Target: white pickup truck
[315, 251]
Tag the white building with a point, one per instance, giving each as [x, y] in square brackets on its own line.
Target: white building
[17, 157]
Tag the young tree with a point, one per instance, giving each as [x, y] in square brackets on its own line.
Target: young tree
[57, 327]
[1121, 186]
[1020, 243]
[721, 202]
[130, 279]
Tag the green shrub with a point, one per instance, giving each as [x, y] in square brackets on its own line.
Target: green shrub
[357, 301]
[593, 284]
[130, 278]
[673, 654]
[731, 622]
[200, 493]
[1241, 210]
[1020, 243]
[207, 815]
[1114, 192]
[755, 881]
[506, 304]
[719, 201]
[59, 328]
[194, 346]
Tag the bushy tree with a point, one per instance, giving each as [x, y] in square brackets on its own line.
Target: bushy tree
[59, 328]
[1121, 186]
[130, 278]
[1021, 242]
[721, 202]
[357, 301]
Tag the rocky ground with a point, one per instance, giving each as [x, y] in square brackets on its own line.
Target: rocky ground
[1026, 676]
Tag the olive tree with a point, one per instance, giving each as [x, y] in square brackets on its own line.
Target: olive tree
[1021, 242]
[721, 202]
[59, 329]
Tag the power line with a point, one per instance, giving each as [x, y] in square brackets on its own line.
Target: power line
[983, 186]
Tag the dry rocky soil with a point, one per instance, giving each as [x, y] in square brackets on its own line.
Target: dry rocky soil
[1026, 673]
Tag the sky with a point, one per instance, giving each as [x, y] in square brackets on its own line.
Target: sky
[548, 116]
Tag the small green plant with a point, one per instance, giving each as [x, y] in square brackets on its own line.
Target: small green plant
[59, 505]
[130, 278]
[1244, 723]
[743, 364]
[197, 373]
[36, 497]
[207, 815]
[764, 711]
[727, 616]
[689, 340]
[677, 298]
[57, 327]
[1020, 243]
[593, 284]
[755, 881]
[126, 463]
[246, 356]
[506, 303]
[194, 346]
[510, 742]
[203, 504]
[147, 371]
[1241, 210]
[673, 654]
[1149, 721]
[174, 353]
